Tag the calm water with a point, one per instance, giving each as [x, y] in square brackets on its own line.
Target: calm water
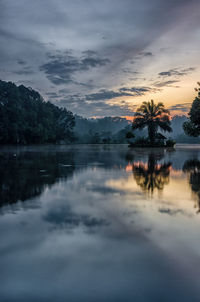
[99, 223]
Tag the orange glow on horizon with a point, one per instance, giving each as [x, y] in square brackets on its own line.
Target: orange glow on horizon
[172, 114]
[128, 118]
[174, 172]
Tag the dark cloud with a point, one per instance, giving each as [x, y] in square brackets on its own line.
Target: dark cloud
[63, 216]
[185, 107]
[106, 95]
[146, 54]
[53, 95]
[25, 71]
[79, 105]
[129, 71]
[21, 62]
[107, 43]
[89, 84]
[89, 52]
[99, 102]
[166, 83]
[124, 91]
[139, 91]
[63, 90]
[61, 67]
[176, 72]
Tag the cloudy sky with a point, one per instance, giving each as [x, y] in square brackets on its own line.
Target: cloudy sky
[103, 58]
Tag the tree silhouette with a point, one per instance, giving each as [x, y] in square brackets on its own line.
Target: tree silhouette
[152, 175]
[152, 116]
[192, 167]
[192, 126]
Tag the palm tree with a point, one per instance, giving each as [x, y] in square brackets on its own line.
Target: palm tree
[153, 116]
[152, 175]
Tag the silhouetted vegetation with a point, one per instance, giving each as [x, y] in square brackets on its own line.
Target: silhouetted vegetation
[25, 118]
[178, 133]
[170, 143]
[152, 116]
[192, 126]
[193, 168]
[151, 175]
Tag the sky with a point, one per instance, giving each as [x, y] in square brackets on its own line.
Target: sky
[103, 58]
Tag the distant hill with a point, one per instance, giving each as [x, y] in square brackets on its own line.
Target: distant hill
[114, 129]
[108, 124]
[25, 118]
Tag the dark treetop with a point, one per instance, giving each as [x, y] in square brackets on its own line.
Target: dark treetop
[26, 118]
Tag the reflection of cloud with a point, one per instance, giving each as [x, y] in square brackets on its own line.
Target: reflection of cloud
[118, 262]
[105, 190]
[63, 216]
[171, 212]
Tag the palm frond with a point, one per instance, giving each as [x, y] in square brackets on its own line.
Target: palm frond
[153, 116]
[164, 125]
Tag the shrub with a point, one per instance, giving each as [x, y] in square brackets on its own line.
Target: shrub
[170, 143]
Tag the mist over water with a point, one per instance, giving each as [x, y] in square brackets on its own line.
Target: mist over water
[99, 223]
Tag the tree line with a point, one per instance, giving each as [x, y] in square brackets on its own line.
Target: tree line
[25, 118]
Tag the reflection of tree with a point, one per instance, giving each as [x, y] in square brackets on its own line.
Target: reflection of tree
[151, 175]
[193, 168]
[26, 175]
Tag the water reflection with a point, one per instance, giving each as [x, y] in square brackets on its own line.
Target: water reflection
[192, 167]
[26, 175]
[151, 175]
[26, 172]
[96, 235]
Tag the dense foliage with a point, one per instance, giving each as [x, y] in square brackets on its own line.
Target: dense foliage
[192, 126]
[25, 118]
[152, 116]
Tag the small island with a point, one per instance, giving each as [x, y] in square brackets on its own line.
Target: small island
[153, 116]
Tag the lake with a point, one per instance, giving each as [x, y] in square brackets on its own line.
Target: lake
[99, 223]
